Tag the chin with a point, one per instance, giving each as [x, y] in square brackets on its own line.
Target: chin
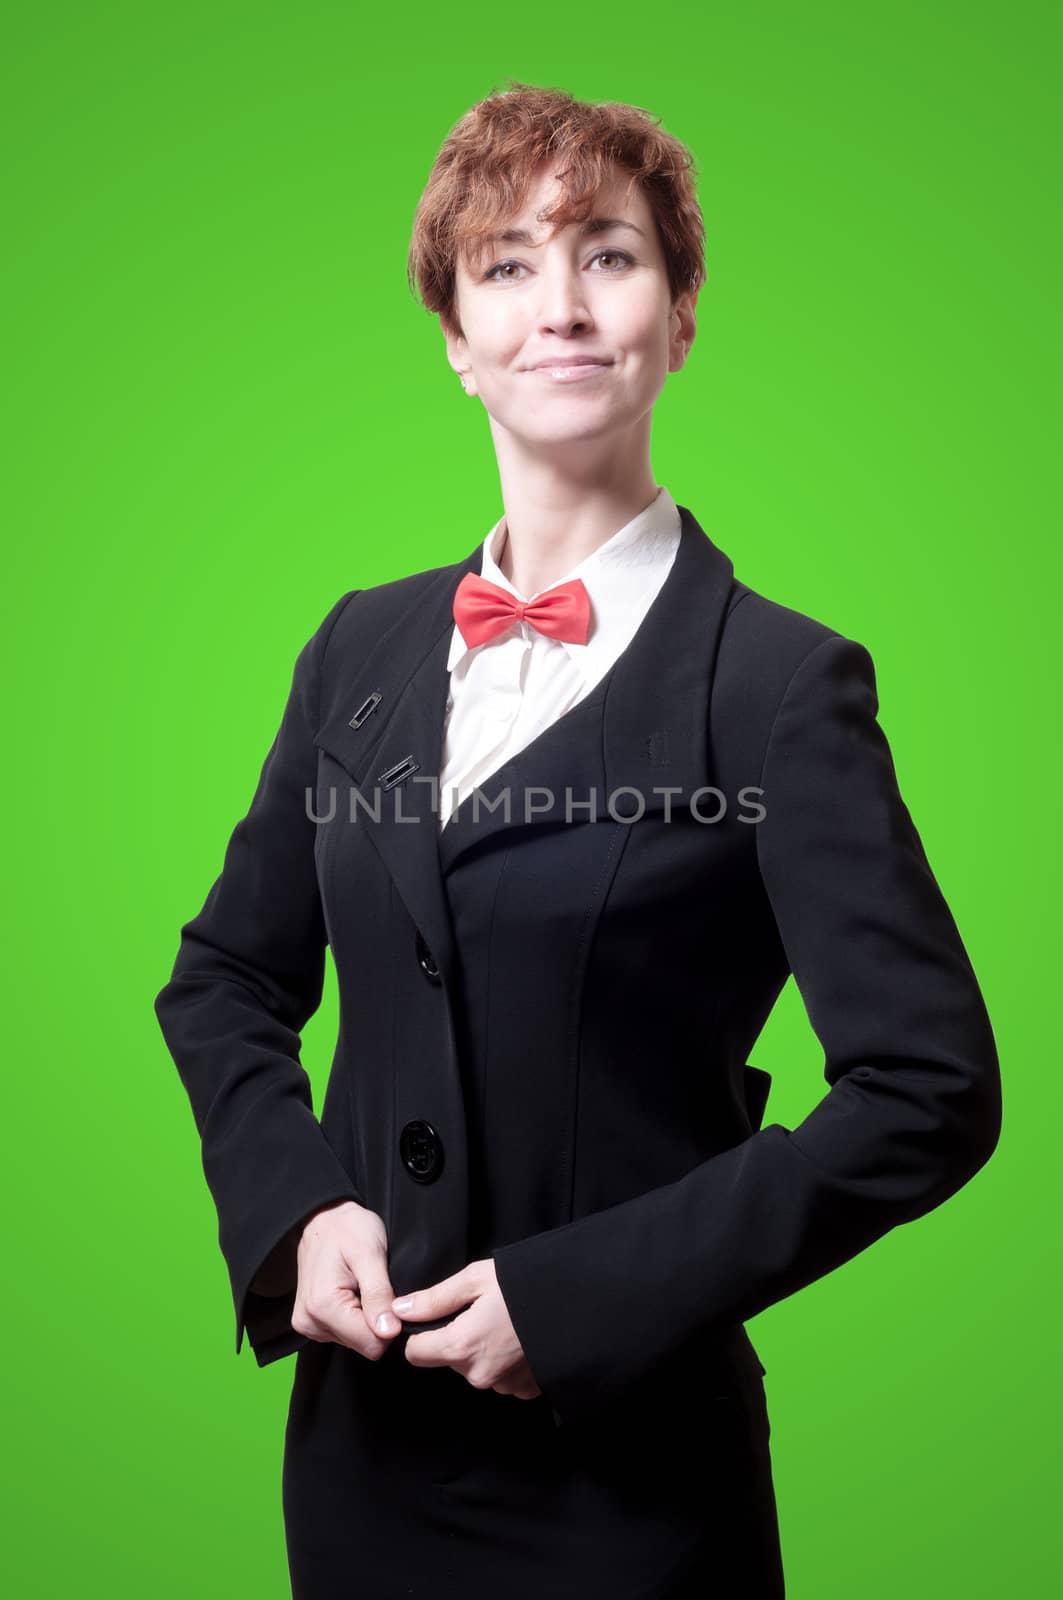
[559, 437]
[565, 423]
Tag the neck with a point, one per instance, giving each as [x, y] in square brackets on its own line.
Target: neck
[560, 505]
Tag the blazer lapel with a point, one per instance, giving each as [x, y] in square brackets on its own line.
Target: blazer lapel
[387, 734]
[643, 730]
[656, 717]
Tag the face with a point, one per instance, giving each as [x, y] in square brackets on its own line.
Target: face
[598, 298]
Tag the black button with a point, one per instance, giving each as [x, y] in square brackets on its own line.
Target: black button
[422, 1151]
[626, 804]
[427, 961]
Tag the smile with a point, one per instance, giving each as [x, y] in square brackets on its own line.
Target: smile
[571, 374]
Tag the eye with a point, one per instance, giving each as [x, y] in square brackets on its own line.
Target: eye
[621, 255]
[493, 273]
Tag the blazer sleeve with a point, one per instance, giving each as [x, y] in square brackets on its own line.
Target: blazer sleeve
[914, 1104]
[249, 973]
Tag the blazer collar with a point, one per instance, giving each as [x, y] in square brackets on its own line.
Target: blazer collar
[643, 729]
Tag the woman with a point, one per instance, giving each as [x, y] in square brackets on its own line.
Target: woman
[568, 812]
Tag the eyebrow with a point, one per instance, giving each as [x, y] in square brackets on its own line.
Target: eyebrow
[591, 226]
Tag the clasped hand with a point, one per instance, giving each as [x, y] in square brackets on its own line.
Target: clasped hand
[344, 1296]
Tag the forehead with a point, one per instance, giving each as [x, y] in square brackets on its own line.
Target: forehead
[617, 205]
[617, 196]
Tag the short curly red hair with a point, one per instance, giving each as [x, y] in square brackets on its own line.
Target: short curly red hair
[482, 174]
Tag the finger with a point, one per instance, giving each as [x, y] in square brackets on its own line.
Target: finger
[450, 1294]
[523, 1389]
[349, 1326]
[377, 1292]
[430, 1350]
[332, 1313]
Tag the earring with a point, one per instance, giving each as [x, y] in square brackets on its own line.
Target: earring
[463, 383]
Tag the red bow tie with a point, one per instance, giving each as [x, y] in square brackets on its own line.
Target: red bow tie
[482, 609]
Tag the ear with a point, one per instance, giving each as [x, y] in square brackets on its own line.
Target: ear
[458, 356]
[683, 326]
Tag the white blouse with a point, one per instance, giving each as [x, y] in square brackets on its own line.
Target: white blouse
[507, 691]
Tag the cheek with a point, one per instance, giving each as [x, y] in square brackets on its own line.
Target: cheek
[501, 333]
[641, 326]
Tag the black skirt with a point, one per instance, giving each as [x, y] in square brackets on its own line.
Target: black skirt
[403, 1481]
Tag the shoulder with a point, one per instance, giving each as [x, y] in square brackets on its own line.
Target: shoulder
[763, 643]
[361, 616]
[771, 654]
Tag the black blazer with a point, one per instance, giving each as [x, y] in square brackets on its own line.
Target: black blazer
[631, 1185]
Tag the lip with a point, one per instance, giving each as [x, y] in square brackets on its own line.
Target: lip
[583, 359]
[569, 371]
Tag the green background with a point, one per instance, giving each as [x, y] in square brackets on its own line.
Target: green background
[222, 409]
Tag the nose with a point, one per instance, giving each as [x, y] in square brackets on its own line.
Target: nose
[564, 309]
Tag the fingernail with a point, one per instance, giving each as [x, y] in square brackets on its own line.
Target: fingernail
[405, 1304]
[385, 1322]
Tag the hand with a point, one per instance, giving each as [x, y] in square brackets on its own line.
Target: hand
[344, 1287]
[481, 1343]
